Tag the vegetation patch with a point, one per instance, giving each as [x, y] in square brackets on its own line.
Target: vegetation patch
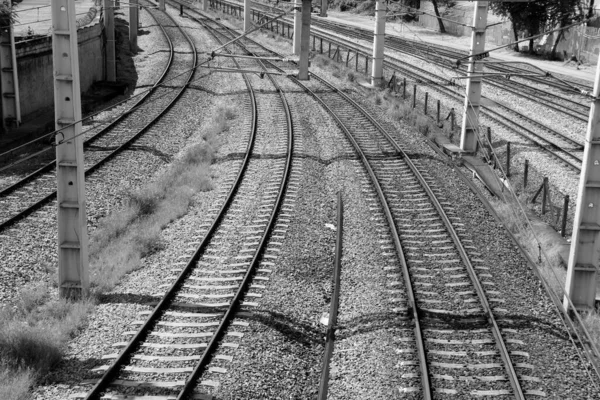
[34, 333]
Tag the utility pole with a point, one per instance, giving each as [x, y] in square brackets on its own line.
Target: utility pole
[73, 271]
[324, 7]
[247, 15]
[133, 25]
[205, 5]
[297, 27]
[161, 5]
[9, 79]
[582, 270]
[109, 28]
[304, 41]
[378, 43]
[470, 122]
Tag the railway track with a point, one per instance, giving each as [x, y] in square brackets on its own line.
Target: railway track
[436, 271]
[101, 145]
[446, 57]
[559, 146]
[212, 295]
[449, 316]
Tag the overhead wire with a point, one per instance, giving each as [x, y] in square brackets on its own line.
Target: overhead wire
[57, 131]
[521, 214]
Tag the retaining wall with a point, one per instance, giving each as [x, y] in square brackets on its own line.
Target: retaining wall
[34, 61]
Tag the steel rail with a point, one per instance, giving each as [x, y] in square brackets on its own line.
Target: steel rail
[504, 354]
[142, 333]
[47, 168]
[412, 309]
[485, 111]
[335, 298]
[190, 383]
[518, 392]
[107, 128]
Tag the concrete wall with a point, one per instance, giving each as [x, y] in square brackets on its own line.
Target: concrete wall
[463, 13]
[581, 42]
[34, 60]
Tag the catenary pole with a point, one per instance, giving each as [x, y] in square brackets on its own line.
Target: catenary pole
[305, 41]
[109, 28]
[9, 79]
[580, 286]
[297, 27]
[73, 271]
[324, 7]
[247, 15]
[378, 43]
[470, 122]
[133, 25]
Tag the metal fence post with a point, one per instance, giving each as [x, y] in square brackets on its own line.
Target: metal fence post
[563, 229]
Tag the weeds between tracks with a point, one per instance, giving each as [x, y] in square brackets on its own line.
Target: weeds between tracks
[34, 333]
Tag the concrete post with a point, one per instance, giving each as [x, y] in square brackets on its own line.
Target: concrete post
[161, 5]
[297, 27]
[580, 286]
[324, 7]
[304, 41]
[9, 79]
[73, 273]
[378, 43]
[133, 24]
[247, 15]
[470, 122]
[109, 28]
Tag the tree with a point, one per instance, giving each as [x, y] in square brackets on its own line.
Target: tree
[437, 14]
[7, 14]
[566, 12]
[528, 18]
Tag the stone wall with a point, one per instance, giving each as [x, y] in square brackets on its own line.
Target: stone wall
[34, 61]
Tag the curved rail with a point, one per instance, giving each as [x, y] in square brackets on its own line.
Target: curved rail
[205, 358]
[168, 298]
[142, 333]
[412, 309]
[130, 113]
[569, 159]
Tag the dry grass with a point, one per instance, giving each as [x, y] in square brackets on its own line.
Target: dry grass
[34, 333]
[124, 238]
[32, 337]
[15, 384]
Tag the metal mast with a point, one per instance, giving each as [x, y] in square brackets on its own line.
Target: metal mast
[72, 223]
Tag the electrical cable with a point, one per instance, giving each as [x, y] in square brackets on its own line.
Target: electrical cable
[55, 132]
